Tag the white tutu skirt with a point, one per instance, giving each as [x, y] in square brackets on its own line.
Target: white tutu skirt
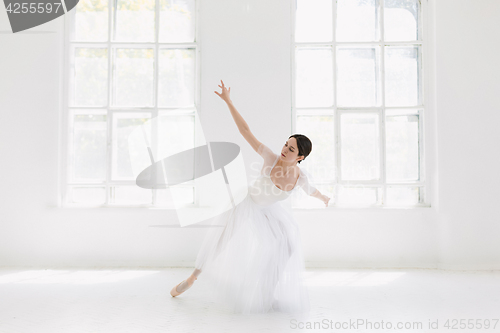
[252, 259]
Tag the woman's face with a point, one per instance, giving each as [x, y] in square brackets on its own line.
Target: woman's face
[290, 152]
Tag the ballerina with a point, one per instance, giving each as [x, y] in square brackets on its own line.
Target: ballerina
[254, 261]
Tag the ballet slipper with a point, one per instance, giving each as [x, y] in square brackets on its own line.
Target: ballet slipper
[174, 291]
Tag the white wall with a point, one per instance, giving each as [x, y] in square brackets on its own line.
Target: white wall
[247, 44]
[468, 103]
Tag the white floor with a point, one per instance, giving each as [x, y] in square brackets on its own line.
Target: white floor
[131, 300]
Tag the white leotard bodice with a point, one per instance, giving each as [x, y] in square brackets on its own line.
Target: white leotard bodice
[264, 192]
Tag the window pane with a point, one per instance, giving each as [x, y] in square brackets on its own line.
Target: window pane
[401, 76]
[321, 161]
[175, 134]
[402, 150]
[357, 76]
[397, 196]
[357, 20]
[359, 146]
[314, 79]
[89, 86]
[177, 21]
[133, 80]
[313, 21]
[358, 195]
[401, 20]
[164, 199]
[176, 77]
[135, 21]
[91, 21]
[131, 195]
[87, 195]
[185, 195]
[122, 154]
[88, 153]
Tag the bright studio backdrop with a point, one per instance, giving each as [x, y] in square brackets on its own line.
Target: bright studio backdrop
[249, 45]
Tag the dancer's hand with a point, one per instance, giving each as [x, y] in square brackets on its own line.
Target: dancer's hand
[325, 200]
[225, 92]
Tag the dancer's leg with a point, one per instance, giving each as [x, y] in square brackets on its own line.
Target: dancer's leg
[196, 272]
[216, 251]
[189, 281]
[184, 285]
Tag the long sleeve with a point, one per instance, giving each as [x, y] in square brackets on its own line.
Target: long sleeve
[268, 156]
[305, 184]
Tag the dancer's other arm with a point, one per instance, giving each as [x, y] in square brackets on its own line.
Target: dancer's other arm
[321, 197]
[312, 191]
[238, 119]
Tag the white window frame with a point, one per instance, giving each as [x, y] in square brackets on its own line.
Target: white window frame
[65, 129]
[425, 72]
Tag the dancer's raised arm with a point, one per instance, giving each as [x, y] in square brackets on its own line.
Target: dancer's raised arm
[238, 119]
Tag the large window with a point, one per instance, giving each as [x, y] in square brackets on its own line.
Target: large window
[358, 95]
[128, 62]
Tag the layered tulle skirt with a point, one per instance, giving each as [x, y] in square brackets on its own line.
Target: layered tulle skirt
[252, 259]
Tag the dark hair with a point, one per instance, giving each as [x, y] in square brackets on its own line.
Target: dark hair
[303, 144]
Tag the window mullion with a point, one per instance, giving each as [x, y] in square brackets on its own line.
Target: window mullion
[293, 10]
[197, 136]
[371, 43]
[336, 122]
[421, 144]
[382, 115]
[111, 20]
[113, 31]
[66, 116]
[154, 113]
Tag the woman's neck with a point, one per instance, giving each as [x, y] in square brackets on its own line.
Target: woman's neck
[288, 167]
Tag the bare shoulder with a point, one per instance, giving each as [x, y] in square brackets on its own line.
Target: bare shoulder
[301, 174]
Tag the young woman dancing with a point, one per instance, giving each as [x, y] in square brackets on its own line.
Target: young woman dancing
[253, 258]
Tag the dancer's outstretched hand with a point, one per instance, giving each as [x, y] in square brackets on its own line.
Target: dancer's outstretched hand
[225, 92]
[325, 200]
